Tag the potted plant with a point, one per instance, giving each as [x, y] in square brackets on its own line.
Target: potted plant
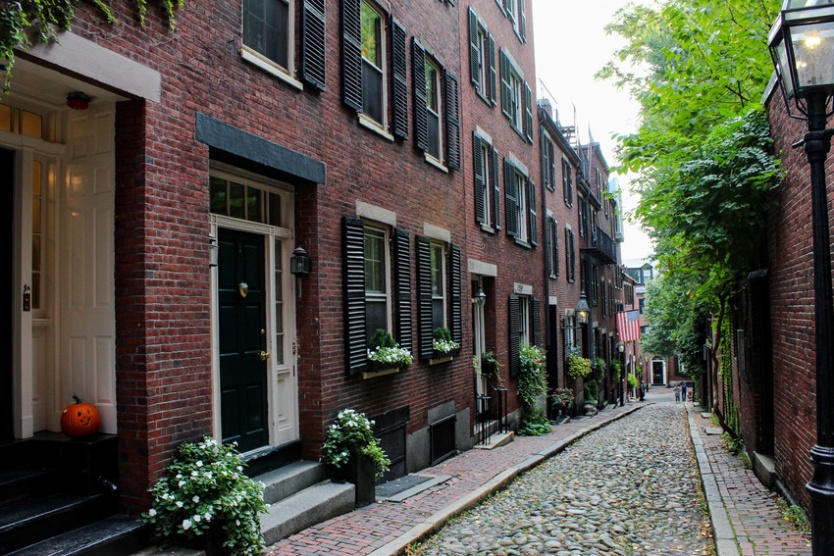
[532, 383]
[488, 367]
[384, 352]
[562, 399]
[578, 366]
[352, 452]
[443, 343]
[205, 497]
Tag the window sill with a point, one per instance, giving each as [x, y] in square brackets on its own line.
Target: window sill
[270, 67]
[378, 369]
[522, 243]
[436, 163]
[487, 229]
[373, 125]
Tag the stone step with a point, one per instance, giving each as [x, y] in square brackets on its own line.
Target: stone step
[290, 479]
[23, 481]
[308, 507]
[114, 536]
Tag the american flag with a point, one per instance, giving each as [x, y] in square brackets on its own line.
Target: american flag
[628, 325]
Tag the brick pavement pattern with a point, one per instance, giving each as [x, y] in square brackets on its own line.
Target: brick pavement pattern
[751, 508]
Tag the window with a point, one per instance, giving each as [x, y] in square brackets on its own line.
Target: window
[377, 300]
[552, 247]
[570, 255]
[482, 58]
[520, 204]
[436, 109]
[373, 62]
[524, 313]
[567, 182]
[487, 184]
[267, 29]
[377, 292]
[516, 97]
[583, 216]
[438, 291]
[368, 67]
[238, 198]
[515, 10]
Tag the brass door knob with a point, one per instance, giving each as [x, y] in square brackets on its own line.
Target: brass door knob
[265, 355]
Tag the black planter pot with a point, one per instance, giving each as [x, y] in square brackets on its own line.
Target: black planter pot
[215, 537]
[360, 471]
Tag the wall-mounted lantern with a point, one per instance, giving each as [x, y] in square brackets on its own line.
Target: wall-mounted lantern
[300, 262]
[213, 251]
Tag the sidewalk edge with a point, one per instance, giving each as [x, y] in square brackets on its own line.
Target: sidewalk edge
[725, 538]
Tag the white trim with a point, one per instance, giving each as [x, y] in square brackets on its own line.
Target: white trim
[519, 165]
[522, 289]
[371, 124]
[483, 135]
[438, 233]
[375, 213]
[552, 300]
[436, 163]
[256, 59]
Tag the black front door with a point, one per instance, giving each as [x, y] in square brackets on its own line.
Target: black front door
[243, 369]
[6, 242]
[657, 367]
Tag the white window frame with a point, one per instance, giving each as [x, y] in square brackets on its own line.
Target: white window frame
[438, 254]
[524, 319]
[249, 54]
[382, 68]
[486, 172]
[438, 82]
[385, 296]
[522, 206]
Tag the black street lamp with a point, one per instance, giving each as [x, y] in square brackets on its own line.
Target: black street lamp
[802, 46]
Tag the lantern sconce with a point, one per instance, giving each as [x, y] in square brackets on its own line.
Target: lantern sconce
[300, 262]
[480, 299]
[213, 251]
[583, 310]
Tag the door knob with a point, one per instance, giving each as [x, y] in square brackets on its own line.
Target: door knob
[265, 355]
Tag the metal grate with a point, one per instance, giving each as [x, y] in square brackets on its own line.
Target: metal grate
[442, 438]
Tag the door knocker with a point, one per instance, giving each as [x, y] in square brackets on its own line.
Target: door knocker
[243, 288]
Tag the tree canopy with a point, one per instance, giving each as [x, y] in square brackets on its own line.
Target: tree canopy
[702, 157]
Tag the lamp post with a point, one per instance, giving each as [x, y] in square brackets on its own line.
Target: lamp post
[802, 46]
[621, 351]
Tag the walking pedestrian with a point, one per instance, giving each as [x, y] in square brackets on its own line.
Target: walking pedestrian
[678, 393]
[683, 392]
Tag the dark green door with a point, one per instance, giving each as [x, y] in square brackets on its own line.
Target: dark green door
[6, 247]
[242, 302]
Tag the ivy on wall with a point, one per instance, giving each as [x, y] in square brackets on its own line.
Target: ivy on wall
[27, 22]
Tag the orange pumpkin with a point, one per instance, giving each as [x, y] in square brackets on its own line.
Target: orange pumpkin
[80, 419]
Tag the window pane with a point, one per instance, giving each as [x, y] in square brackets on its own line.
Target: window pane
[265, 28]
[434, 135]
[376, 315]
[279, 303]
[372, 102]
[371, 33]
[374, 261]
[236, 200]
[274, 209]
[31, 124]
[217, 195]
[5, 117]
[432, 83]
[254, 202]
[438, 319]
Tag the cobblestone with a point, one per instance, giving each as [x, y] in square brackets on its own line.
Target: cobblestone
[629, 488]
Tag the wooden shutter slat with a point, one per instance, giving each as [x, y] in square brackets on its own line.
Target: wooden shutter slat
[478, 163]
[356, 341]
[496, 188]
[455, 308]
[452, 121]
[424, 301]
[515, 339]
[556, 253]
[536, 309]
[506, 89]
[421, 124]
[313, 46]
[402, 264]
[493, 92]
[522, 24]
[531, 196]
[548, 245]
[528, 113]
[474, 51]
[510, 199]
[352, 54]
[545, 156]
[399, 53]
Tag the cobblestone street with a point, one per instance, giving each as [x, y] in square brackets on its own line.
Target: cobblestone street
[630, 488]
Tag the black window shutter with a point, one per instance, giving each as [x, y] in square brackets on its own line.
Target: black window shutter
[531, 197]
[556, 247]
[510, 198]
[399, 53]
[402, 264]
[424, 308]
[356, 341]
[479, 163]
[515, 339]
[452, 121]
[528, 113]
[506, 90]
[475, 52]
[421, 124]
[566, 180]
[313, 43]
[493, 93]
[455, 308]
[495, 176]
[548, 245]
[451, 2]
[352, 54]
[536, 309]
[543, 140]
[522, 24]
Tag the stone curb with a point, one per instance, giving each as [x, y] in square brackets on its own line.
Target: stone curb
[435, 522]
[725, 538]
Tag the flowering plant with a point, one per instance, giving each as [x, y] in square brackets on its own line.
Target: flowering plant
[562, 398]
[443, 341]
[351, 436]
[383, 349]
[578, 366]
[205, 485]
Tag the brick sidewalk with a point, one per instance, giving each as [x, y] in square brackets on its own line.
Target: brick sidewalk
[755, 522]
[388, 527]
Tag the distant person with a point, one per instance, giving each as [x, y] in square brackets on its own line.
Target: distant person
[641, 392]
[683, 391]
[678, 393]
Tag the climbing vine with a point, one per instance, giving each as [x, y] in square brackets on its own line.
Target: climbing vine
[27, 22]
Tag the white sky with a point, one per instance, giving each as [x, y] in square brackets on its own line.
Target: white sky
[571, 46]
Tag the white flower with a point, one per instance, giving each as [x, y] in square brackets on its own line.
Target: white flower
[207, 516]
[198, 518]
[152, 512]
[196, 499]
[179, 504]
[181, 484]
[186, 524]
[199, 463]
